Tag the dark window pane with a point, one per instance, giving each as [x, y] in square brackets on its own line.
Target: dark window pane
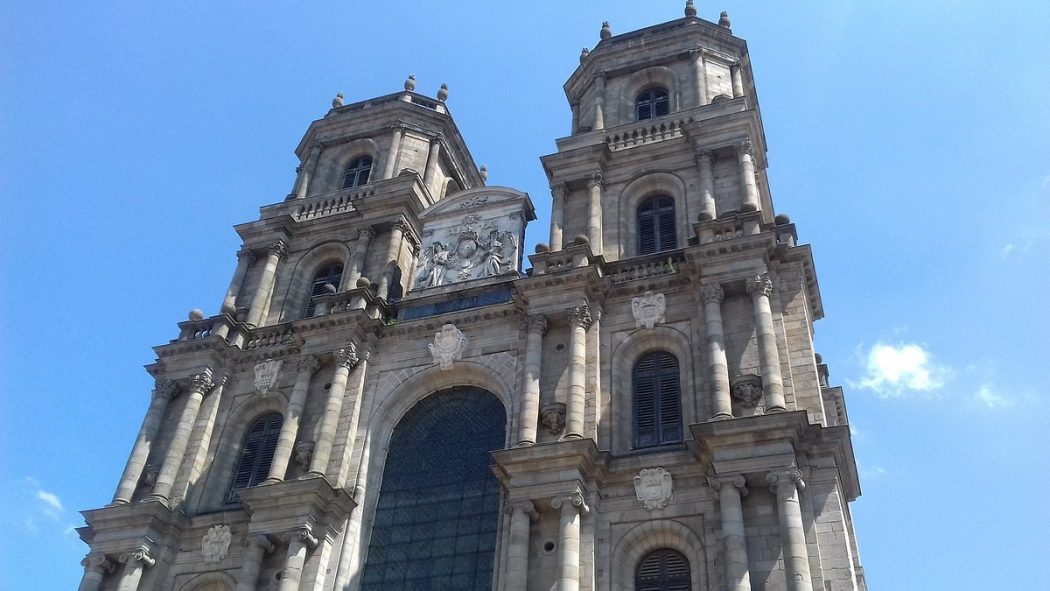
[652, 103]
[663, 570]
[260, 442]
[657, 400]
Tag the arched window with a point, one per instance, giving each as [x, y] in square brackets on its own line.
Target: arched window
[663, 570]
[656, 230]
[329, 274]
[438, 511]
[652, 103]
[256, 454]
[657, 400]
[357, 172]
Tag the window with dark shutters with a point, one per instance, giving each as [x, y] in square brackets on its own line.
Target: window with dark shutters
[256, 454]
[357, 173]
[329, 274]
[663, 570]
[657, 400]
[652, 103]
[656, 225]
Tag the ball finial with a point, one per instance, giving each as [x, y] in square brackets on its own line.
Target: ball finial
[690, 10]
[723, 20]
[410, 84]
[443, 92]
[196, 314]
[606, 31]
[338, 100]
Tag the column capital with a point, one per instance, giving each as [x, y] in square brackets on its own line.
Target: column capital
[526, 506]
[97, 562]
[366, 233]
[401, 224]
[246, 254]
[260, 541]
[744, 146]
[574, 499]
[346, 356]
[734, 480]
[595, 180]
[705, 157]
[304, 534]
[165, 390]
[785, 477]
[580, 316]
[536, 323]
[202, 382]
[142, 555]
[278, 248]
[712, 293]
[760, 285]
[308, 364]
[559, 190]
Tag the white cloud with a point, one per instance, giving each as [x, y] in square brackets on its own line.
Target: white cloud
[892, 370]
[991, 399]
[1006, 250]
[872, 473]
[47, 503]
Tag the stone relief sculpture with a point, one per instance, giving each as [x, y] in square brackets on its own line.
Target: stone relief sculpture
[216, 543]
[448, 346]
[654, 487]
[648, 309]
[748, 390]
[472, 249]
[266, 373]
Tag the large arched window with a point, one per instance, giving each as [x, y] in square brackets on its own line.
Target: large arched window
[331, 273]
[652, 103]
[657, 400]
[438, 511]
[656, 230]
[256, 454]
[357, 172]
[663, 570]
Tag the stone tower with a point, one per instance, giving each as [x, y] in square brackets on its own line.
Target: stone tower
[389, 399]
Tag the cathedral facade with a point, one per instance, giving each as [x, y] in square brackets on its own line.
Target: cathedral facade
[394, 395]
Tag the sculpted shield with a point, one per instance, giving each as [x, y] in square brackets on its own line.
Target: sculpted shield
[216, 543]
[448, 345]
[648, 309]
[654, 488]
[266, 375]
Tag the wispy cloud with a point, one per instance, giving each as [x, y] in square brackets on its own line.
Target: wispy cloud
[893, 370]
[42, 503]
[871, 473]
[987, 396]
[1006, 250]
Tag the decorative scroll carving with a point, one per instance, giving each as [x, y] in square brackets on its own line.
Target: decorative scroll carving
[648, 309]
[748, 390]
[735, 480]
[575, 499]
[346, 356]
[712, 293]
[536, 323]
[553, 417]
[266, 373]
[526, 506]
[216, 543]
[203, 381]
[308, 363]
[581, 316]
[786, 477]
[448, 346]
[278, 249]
[166, 389]
[654, 487]
[760, 285]
[141, 555]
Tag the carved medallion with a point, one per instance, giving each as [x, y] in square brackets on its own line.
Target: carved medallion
[654, 488]
[448, 346]
[216, 543]
[748, 390]
[266, 373]
[648, 309]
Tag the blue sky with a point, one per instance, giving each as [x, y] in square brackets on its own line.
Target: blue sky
[908, 141]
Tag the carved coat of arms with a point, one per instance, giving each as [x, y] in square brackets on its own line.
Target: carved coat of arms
[654, 488]
[648, 309]
[471, 250]
[448, 345]
[266, 373]
[216, 543]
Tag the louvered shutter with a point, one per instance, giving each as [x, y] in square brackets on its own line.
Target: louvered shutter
[260, 443]
[645, 409]
[663, 570]
[329, 274]
[667, 237]
[670, 403]
[656, 225]
[657, 400]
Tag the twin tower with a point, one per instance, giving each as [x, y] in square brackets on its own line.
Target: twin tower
[392, 397]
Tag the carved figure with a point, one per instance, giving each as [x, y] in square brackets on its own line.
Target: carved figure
[432, 266]
[748, 390]
[216, 543]
[654, 487]
[448, 345]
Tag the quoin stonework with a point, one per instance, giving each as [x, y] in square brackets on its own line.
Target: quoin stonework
[394, 395]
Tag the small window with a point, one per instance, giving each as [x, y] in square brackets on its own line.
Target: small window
[357, 172]
[663, 570]
[256, 455]
[332, 274]
[652, 103]
[656, 229]
[657, 400]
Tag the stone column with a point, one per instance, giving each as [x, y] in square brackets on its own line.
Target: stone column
[357, 262]
[199, 385]
[305, 170]
[535, 327]
[262, 293]
[559, 192]
[572, 508]
[730, 489]
[786, 484]
[580, 320]
[95, 568]
[708, 209]
[594, 217]
[162, 395]
[575, 107]
[397, 234]
[345, 360]
[599, 102]
[522, 512]
[738, 80]
[299, 544]
[748, 186]
[258, 546]
[229, 303]
[432, 161]
[700, 76]
[717, 366]
[389, 167]
[308, 364]
[134, 563]
[760, 287]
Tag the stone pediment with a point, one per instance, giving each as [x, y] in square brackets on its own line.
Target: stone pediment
[471, 235]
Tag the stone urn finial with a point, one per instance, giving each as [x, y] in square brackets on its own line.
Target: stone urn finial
[484, 172]
[723, 20]
[410, 83]
[443, 92]
[606, 31]
[338, 100]
[690, 10]
[584, 53]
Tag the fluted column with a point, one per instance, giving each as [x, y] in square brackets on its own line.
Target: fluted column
[594, 216]
[748, 186]
[572, 508]
[308, 364]
[300, 543]
[248, 577]
[717, 366]
[262, 292]
[357, 263]
[559, 192]
[345, 360]
[786, 484]
[162, 395]
[599, 102]
[396, 235]
[134, 563]
[229, 303]
[700, 76]
[760, 287]
[580, 320]
[522, 512]
[708, 208]
[738, 80]
[199, 385]
[304, 172]
[395, 147]
[432, 161]
[535, 327]
[95, 568]
[730, 489]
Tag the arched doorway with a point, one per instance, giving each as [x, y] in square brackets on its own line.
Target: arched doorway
[438, 510]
